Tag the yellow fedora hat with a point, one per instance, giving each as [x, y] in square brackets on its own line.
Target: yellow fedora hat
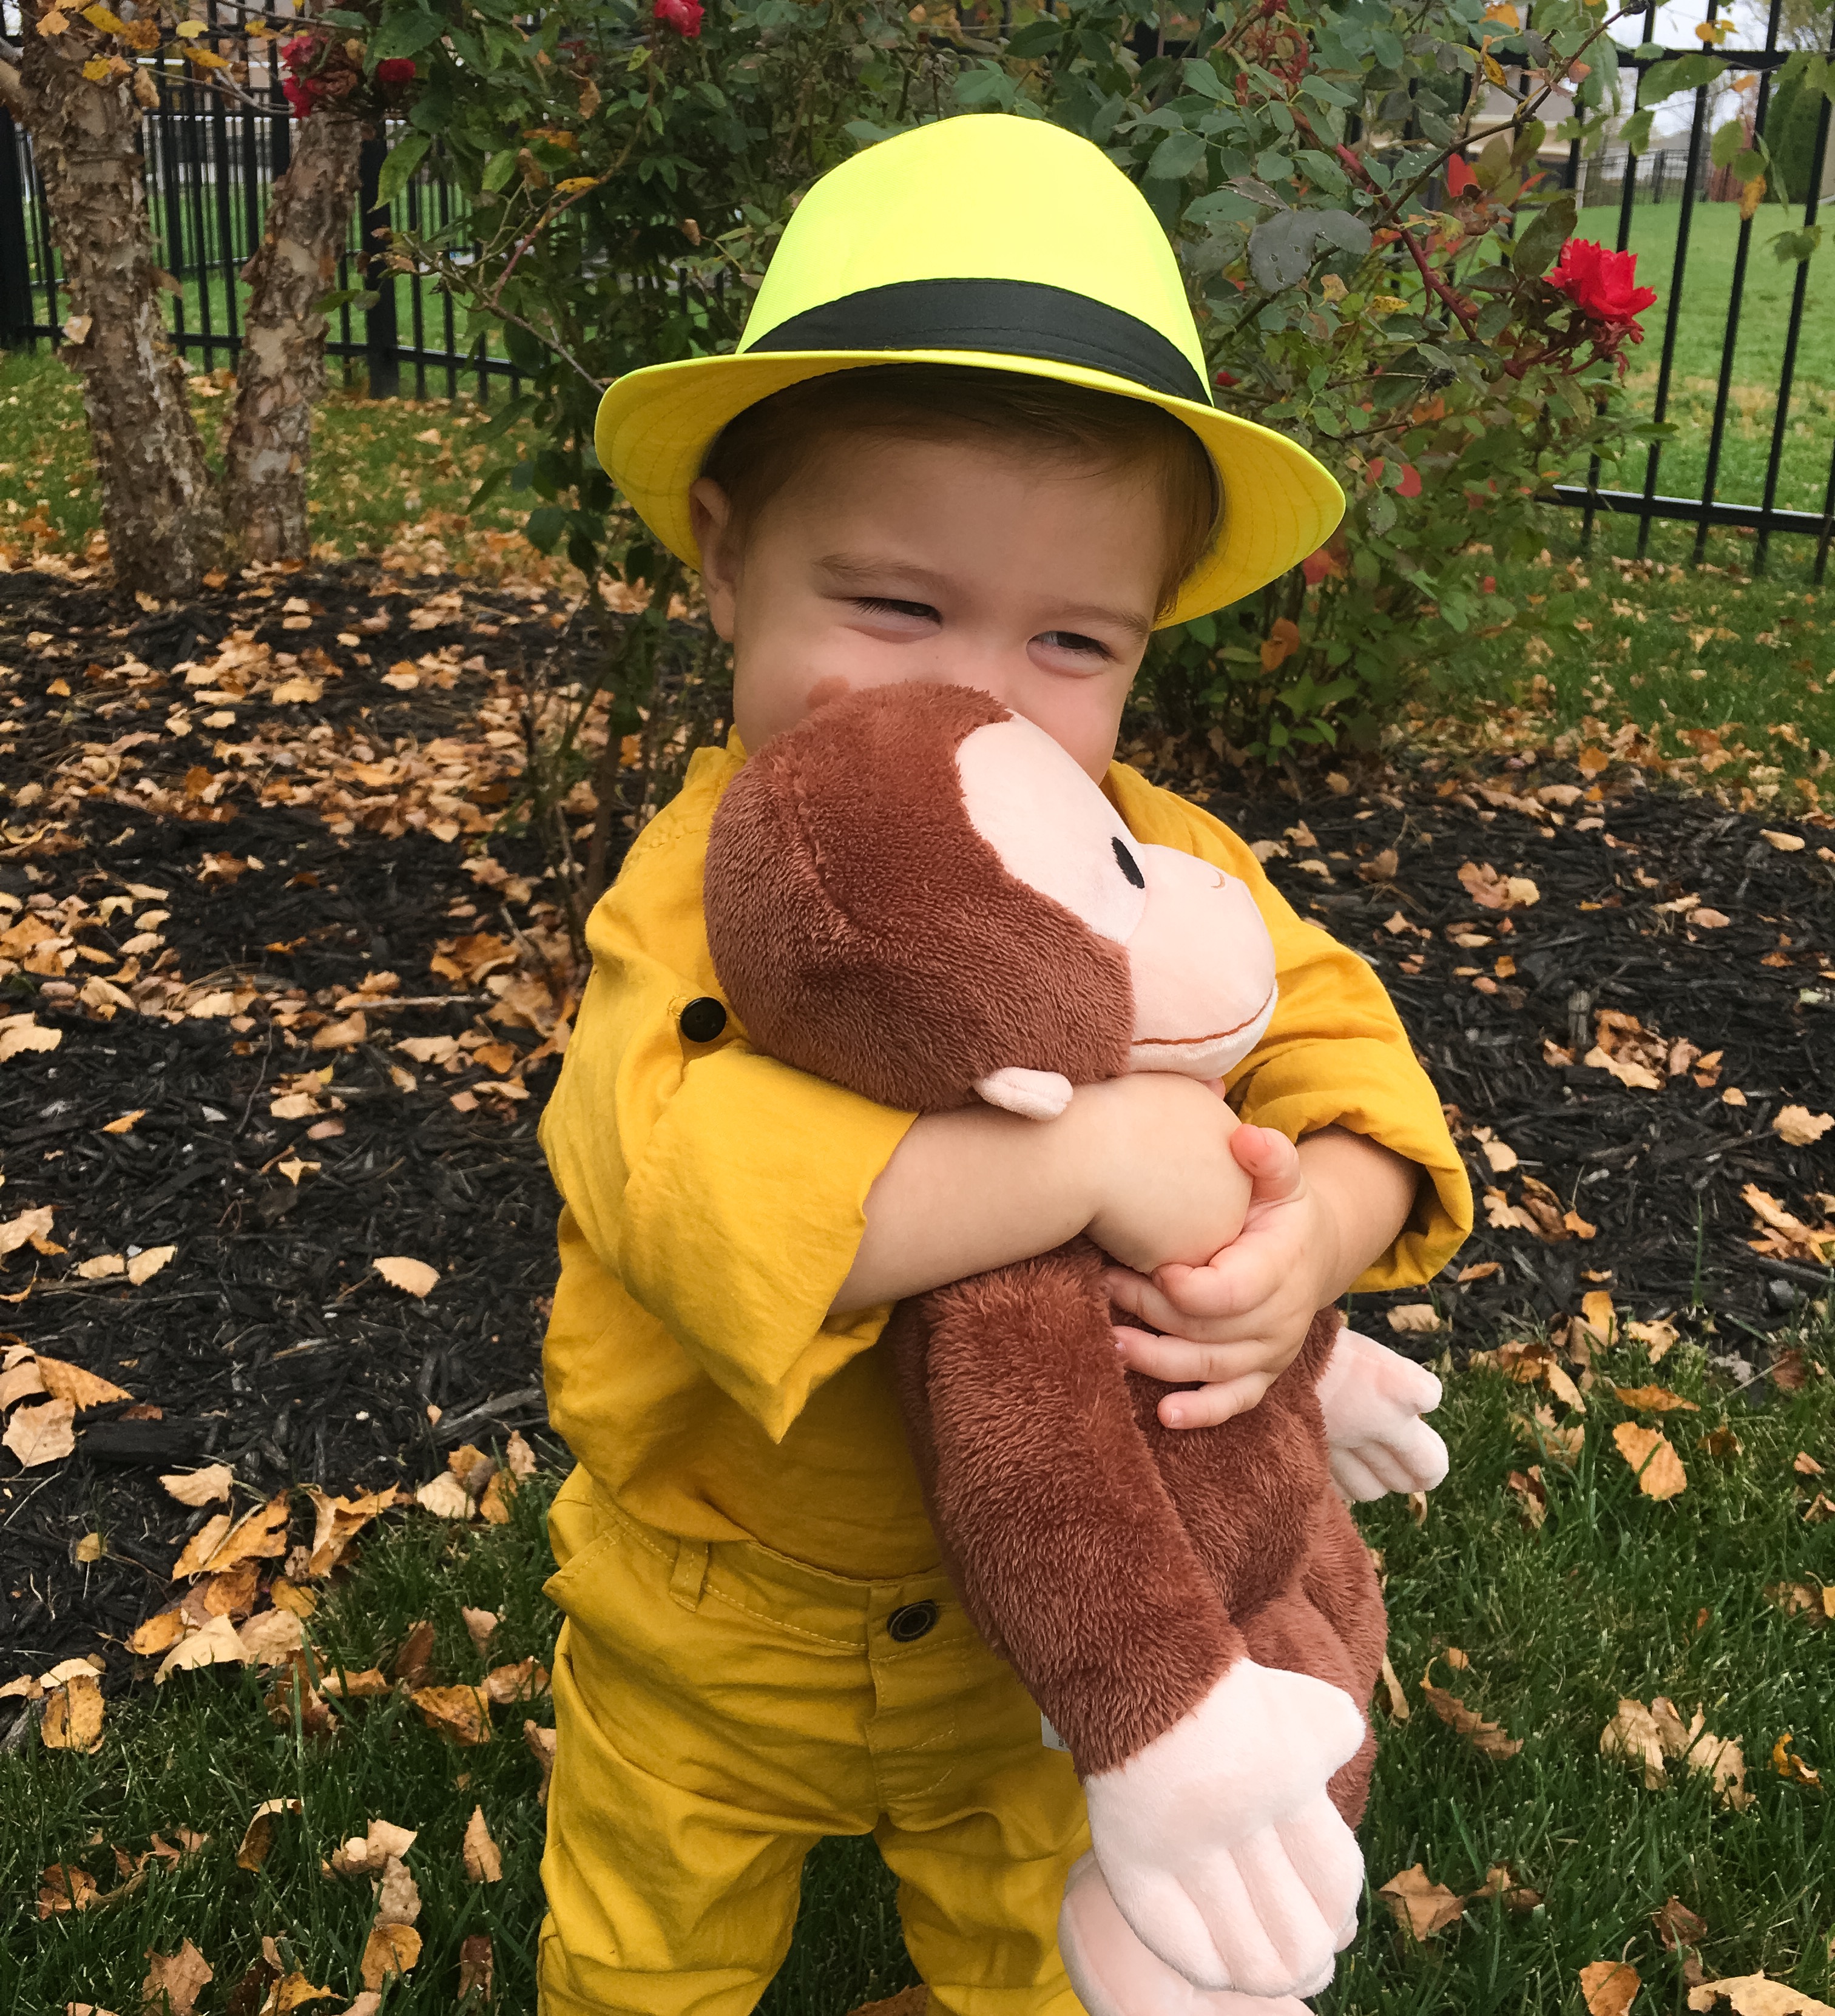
[991, 240]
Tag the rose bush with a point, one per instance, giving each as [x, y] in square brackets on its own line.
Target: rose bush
[1372, 256]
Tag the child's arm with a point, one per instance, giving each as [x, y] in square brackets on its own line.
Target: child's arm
[1143, 1164]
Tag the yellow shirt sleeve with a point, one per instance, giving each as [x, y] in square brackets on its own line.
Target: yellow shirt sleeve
[723, 1191]
[1335, 1053]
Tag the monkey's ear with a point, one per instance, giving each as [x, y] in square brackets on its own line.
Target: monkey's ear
[1033, 1095]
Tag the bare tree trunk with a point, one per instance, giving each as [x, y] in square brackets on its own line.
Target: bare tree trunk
[282, 370]
[159, 501]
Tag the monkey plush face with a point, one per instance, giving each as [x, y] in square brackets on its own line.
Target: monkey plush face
[916, 894]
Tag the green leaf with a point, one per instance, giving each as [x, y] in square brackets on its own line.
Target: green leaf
[499, 169]
[1200, 77]
[1728, 140]
[1797, 246]
[1636, 135]
[344, 297]
[1688, 72]
[1036, 38]
[1175, 157]
[404, 157]
[404, 34]
[1538, 249]
[545, 525]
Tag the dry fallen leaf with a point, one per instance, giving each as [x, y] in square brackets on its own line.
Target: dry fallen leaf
[1598, 1316]
[65, 1888]
[1531, 1494]
[416, 1654]
[89, 1548]
[1632, 1734]
[1785, 1761]
[258, 1837]
[200, 1487]
[370, 1684]
[475, 1968]
[1677, 1926]
[40, 1434]
[1754, 1995]
[398, 1896]
[483, 1862]
[540, 1745]
[1415, 1318]
[1657, 1336]
[144, 1264]
[461, 1715]
[174, 1981]
[479, 1624]
[392, 1949]
[1653, 1457]
[337, 1520]
[523, 1681]
[369, 1855]
[259, 1534]
[413, 1277]
[518, 1457]
[1396, 1700]
[1487, 1737]
[159, 1633]
[271, 1637]
[1655, 1400]
[73, 1716]
[1608, 1987]
[445, 1497]
[82, 1389]
[216, 1644]
[1420, 1908]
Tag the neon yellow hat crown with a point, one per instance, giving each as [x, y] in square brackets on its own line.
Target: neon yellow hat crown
[987, 240]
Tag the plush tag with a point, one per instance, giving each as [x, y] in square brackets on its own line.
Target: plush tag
[1050, 1737]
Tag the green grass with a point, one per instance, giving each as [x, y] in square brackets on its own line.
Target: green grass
[372, 472]
[1671, 648]
[1603, 1601]
[1757, 357]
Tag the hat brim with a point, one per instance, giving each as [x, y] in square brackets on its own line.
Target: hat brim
[655, 426]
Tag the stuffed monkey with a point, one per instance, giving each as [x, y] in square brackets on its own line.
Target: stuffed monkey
[917, 894]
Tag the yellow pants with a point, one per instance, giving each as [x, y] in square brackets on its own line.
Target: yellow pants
[720, 1709]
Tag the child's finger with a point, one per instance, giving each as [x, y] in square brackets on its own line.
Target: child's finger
[1211, 1404]
[1180, 1360]
[1269, 1159]
[1238, 1281]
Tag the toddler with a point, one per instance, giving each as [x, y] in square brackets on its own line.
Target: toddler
[968, 438]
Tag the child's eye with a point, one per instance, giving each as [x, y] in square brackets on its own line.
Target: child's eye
[1074, 640]
[881, 605]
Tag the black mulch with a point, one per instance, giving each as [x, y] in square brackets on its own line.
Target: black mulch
[270, 1345]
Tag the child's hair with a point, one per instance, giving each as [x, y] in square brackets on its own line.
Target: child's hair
[761, 449]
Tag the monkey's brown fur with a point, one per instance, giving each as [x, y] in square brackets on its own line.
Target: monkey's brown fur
[865, 930]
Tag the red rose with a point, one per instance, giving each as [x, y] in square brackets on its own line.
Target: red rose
[683, 15]
[1227, 378]
[297, 96]
[1316, 566]
[1603, 285]
[395, 69]
[298, 52]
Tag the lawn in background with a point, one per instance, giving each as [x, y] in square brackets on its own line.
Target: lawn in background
[1758, 355]
[1675, 649]
[379, 466]
[1616, 1595]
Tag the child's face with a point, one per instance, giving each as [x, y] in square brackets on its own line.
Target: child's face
[888, 559]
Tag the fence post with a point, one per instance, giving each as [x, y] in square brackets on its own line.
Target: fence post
[379, 338]
[15, 271]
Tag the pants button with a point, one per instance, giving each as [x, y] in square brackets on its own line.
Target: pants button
[910, 1621]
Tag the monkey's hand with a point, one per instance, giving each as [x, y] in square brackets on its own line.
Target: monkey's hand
[1373, 1399]
[1218, 1840]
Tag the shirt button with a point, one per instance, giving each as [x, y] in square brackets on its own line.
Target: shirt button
[703, 1019]
[910, 1621]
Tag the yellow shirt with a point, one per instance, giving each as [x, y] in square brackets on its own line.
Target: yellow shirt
[714, 1199]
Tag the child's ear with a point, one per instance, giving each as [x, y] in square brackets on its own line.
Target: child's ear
[710, 516]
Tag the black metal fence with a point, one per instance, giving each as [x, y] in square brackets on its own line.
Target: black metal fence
[209, 170]
[1706, 509]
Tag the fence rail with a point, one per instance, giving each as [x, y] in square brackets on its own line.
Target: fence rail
[209, 171]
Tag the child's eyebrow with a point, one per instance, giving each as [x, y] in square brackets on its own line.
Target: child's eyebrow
[847, 570]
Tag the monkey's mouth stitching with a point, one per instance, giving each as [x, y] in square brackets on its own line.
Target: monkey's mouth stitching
[1215, 1036]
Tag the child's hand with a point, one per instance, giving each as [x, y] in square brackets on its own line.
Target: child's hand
[1238, 1322]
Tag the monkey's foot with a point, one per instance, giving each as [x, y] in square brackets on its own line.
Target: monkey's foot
[1114, 1974]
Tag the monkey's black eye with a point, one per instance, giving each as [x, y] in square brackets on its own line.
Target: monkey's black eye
[1129, 866]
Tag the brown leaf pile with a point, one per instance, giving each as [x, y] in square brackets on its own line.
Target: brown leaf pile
[1649, 1738]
